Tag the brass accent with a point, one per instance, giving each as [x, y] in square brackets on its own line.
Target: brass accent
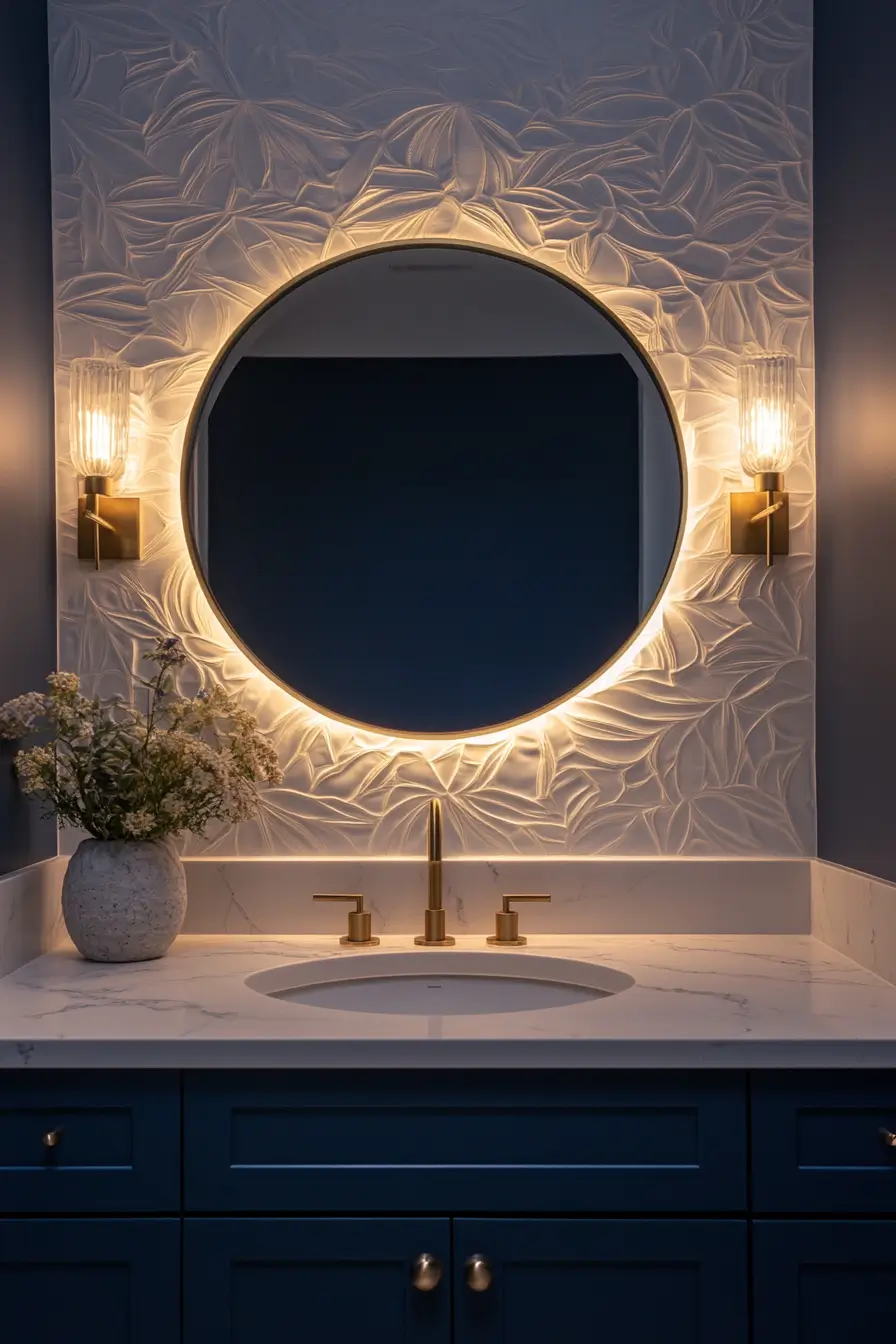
[359, 934]
[97, 520]
[53, 1138]
[426, 1272]
[109, 526]
[644, 357]
[888, 1137]
[507, 921]
[479, 1273]
[434, 916]
[98, 485]
[769, 503]
[768, 480]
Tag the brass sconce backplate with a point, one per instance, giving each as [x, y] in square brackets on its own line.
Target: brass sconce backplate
[117, 534]
[767, 534]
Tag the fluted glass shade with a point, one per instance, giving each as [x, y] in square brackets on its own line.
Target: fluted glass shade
[100, 417]
[766, 387]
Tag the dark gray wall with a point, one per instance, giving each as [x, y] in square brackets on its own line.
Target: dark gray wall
[855, 295]
[27, 547]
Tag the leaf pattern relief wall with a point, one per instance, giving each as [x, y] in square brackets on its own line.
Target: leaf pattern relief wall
[657, 152]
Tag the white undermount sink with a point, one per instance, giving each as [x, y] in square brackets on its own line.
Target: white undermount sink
[435, 983]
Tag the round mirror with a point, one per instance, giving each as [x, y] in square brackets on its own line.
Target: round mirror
[433, 489]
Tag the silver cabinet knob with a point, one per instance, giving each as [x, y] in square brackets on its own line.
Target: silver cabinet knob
[53, 1138]
[888, 1137]
[479, 1274]
[426, 1272]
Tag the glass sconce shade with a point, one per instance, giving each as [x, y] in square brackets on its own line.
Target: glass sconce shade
[100, 392]
[766, 388]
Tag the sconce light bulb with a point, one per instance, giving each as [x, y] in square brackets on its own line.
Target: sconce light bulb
[100, 394]
[767, 396]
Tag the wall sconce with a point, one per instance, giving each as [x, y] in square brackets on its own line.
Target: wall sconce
[100, 398]
[760, 518]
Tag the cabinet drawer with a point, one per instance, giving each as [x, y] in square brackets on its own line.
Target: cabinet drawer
[818, 1146]
[431, 1141]
[117, 1146]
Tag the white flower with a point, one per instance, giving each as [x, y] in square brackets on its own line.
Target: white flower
[139, 824]
[19, 715]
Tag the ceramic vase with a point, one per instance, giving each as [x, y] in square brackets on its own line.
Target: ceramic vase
[124, 900]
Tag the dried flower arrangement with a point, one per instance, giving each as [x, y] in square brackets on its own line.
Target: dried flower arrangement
[121, 774]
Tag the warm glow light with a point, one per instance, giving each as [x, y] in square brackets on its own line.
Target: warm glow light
[283, 699]
[100, 417]
[766, 387]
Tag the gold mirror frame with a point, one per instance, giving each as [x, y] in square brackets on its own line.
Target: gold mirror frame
[240, 331]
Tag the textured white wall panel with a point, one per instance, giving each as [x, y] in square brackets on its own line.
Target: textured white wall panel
[657, 152]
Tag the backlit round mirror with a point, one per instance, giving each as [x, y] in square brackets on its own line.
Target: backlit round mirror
[433, 489]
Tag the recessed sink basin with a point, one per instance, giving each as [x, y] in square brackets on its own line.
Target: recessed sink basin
[429, 983]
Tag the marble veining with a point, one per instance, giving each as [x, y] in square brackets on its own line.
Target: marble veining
[856, 913]
[761, 1001]
[246, 896]
[30, 913]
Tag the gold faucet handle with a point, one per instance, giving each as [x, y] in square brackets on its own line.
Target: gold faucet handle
[507, 921]
[359, 934]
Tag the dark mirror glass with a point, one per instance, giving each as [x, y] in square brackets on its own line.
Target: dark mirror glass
[433, 490]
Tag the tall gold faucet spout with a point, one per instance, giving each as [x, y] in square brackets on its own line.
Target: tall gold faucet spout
[434, 831]
[434, 917]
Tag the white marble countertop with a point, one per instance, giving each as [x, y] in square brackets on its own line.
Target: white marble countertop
[725, 1002]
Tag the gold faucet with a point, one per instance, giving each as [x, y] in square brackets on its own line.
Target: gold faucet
[434, 917]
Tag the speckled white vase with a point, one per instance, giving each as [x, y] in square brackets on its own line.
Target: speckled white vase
[124, 900]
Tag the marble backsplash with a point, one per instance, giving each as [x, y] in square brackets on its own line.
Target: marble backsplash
[856, 914]
[30, 913]
[852, 912]
[662, 896]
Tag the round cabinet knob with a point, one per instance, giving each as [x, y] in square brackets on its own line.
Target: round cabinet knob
[426, 1272]
[53, 1138]
[479, 1274]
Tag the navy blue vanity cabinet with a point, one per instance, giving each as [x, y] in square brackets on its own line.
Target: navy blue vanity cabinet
[102, 1141]
[90, 1281]
[637, 1280]
[472, 1141]
[339, 1280]
[824, 1282]
[239, 1207]
[824, 1142]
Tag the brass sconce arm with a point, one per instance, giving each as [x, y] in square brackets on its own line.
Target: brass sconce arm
[95, 518]
[767, 512]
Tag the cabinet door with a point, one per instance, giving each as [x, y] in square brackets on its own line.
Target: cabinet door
[825, 1282]
[318, 1280]
[574, 1282]
[89, 1281]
